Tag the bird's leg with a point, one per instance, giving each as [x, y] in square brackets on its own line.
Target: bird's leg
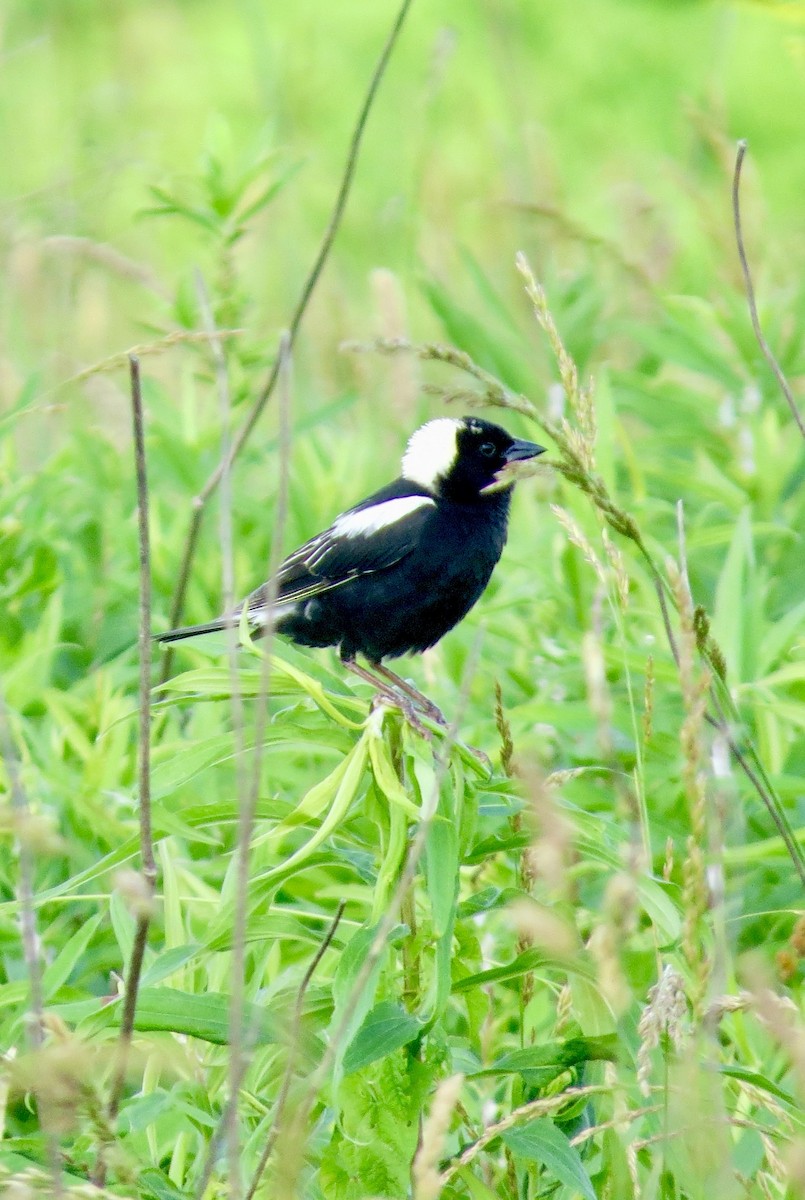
[422, 702]
[389, 694]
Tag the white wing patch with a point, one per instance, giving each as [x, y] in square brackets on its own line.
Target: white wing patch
[262, 616]
[379, 516]
[431, 452]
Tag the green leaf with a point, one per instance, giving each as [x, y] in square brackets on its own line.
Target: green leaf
[339, 791]
[387, 1028]
[156, 1184]
[59, 971]
[169, 961]
[540, 1141]
[541, 1064]
[385, 776]
[530, 960]
[655, 901]
[441, 865]
[201, 1016]
[755, 1079]
[347, 973]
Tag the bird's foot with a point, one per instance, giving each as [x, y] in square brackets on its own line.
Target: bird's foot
[391, 699]
[400, 694]
[429, 709]
[420, 701]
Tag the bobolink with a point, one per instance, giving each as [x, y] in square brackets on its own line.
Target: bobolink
[393, 574]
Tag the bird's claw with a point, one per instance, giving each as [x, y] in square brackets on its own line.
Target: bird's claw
[404, 706]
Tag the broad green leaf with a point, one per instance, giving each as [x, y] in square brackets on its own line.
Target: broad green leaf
[387, 1028]
[756, 1080]
[540, 1064]
[352, 1003]
[156, 1184]
[655, 901]
[590, 1008]
[203, 1016]
[169, 961]
[540, 1141]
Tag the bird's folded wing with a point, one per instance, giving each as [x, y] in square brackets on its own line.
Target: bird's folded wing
[360, 542]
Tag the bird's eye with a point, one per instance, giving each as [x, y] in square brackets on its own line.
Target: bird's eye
[488, 449]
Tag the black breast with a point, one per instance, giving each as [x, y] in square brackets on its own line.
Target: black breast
[410, 606]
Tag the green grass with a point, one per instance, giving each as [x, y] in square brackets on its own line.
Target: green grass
[500, 1039]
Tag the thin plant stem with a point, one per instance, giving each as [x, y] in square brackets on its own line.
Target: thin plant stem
[293, 1054]
[237, 1049]
[308, 287]
[149, 870]
[248, 796]
[765, 349]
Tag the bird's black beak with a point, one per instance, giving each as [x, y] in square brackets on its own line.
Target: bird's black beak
[519, 451]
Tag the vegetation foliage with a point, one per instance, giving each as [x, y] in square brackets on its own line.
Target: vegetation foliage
[557, 950]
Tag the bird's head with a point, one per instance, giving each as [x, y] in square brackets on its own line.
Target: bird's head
[464, 458]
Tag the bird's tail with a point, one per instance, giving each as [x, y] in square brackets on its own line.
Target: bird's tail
[188, 631]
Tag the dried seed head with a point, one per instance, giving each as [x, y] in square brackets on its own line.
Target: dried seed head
[787, 965]
[618, 565]
[579, 539]
[665, 1013]
[136, 892]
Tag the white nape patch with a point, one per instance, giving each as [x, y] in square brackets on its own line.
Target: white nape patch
[379, 516]
[432, 451]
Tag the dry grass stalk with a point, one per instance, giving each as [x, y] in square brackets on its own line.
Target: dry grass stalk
[149, 869]
[579, 539]
[424, 1172]
[695, 687]
[618, 565]
[750, 293]
[177, 338]
[526, 1112]
[504, 733]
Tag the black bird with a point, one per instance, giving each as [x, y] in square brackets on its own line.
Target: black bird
[393, 574]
